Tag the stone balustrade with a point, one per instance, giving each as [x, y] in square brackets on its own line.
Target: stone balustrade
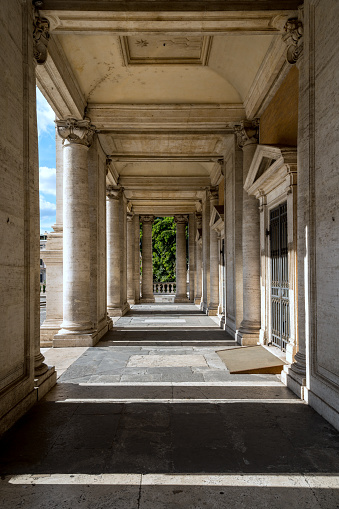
[164, 288]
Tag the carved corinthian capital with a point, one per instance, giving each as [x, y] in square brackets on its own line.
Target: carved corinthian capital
[76, 131]
[113, 192]
[181, 219]
[198, 220]
[147, 219]
[293, 39]
[247, 132]
[40, 38]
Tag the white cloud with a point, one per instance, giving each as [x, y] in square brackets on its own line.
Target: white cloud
[47, 209]
[47, 180]
[45, 114]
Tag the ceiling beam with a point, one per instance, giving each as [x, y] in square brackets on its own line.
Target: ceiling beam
[170, 5]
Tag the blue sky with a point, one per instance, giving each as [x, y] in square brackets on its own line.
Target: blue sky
[46, 134]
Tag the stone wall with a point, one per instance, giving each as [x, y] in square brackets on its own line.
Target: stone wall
[318, 207]
[19, 213]
[279, 122]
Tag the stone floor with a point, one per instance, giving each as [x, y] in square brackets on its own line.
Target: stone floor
[151, 418]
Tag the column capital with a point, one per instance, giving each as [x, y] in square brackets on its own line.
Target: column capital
[79, 132]
[130, 216]
[213, 193]
[198, 220]
[147, 219]
[113, 192]
[293, 38]
[40, 38]
[181, 219]
[247, 132]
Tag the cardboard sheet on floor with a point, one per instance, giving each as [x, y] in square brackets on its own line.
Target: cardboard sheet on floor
[251, 360]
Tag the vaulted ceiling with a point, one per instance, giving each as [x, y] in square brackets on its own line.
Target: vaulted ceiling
[164, 86]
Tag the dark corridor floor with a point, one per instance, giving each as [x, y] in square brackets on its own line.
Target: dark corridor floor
[148, 425]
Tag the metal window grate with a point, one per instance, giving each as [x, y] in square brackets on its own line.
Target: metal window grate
[280, 330]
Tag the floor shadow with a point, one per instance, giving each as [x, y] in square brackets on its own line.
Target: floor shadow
[68, 436]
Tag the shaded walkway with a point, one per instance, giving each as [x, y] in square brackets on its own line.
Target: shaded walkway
[151, 418]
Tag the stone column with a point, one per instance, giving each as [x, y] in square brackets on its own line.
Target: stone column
[294, 376]
[130, 259]
[147, 259]
[113, 194]
[77, 328]
[198, 259]
[191, 255]
[248, 333]
[181, 292]
[123, 252]
[205, 254]
[214, 258]
[137, 257]
[53, 257]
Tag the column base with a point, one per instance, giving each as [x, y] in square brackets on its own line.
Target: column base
[197, 301]
[45, 382]
[293, 381]
[131, 302]
[147, 299]
[66, 338]
[294, 376]
[212, 311]
[248, 333]
[181, 299]
[48, 330]
[118, 311]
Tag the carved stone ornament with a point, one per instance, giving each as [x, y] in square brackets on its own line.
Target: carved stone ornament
[247, 132]
[76, 131]
[213, 193]
[221, 164]
[130, 216]
[147, 219]
[113, 192]
[198, 220]
[293, 38]
[40, 38]
[180, 219]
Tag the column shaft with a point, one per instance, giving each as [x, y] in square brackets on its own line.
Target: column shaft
[250, 325]
[214, 259]
[147, 259]
[205, 254]
[191, 255]
[137, 258]
[130, 260]
[113, 252]
[198, 260]
[181, 269]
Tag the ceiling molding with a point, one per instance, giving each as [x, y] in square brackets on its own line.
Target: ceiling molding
[170, 183]
[175, 22]
[182, 56]
[129, 117]
[172, 5]
[140, 158]
[271, 73]
[56, 81]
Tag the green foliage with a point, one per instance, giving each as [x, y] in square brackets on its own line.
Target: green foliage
[164, 249]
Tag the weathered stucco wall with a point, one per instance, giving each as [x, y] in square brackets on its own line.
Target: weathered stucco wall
[279, 122]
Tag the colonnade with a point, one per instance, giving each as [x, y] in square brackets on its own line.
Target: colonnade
[121, 237]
